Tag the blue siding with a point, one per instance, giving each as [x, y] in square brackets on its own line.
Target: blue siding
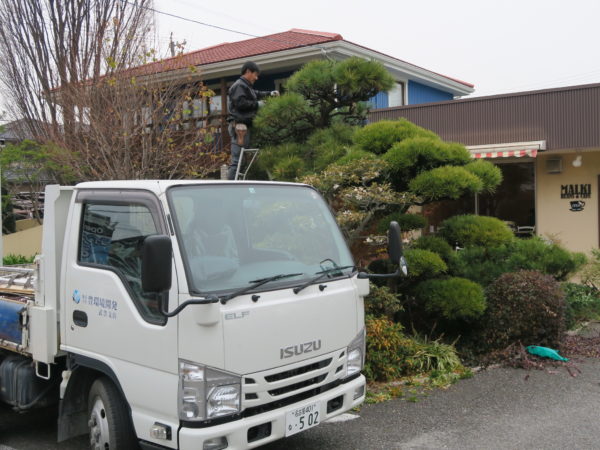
[419, 93]
[379, 101]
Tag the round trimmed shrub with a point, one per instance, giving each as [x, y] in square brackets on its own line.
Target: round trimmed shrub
[468, 230]
[526, 307]
[435, 244]
[407, 222]
[415, 155]
[445, 182]
[423, 263]
[452, 298]
[549, 258]
[488, 173]
[354, 154]
[327, 145]
[485, 264]
[379, 137]
[289, 168]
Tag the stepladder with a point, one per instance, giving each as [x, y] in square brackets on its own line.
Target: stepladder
[247, 158]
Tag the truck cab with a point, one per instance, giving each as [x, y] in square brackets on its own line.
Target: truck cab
[195, 315]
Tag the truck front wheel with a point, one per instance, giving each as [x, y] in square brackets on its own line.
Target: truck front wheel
[108, 419]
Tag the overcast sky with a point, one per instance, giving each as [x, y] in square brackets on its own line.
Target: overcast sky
[497, 45]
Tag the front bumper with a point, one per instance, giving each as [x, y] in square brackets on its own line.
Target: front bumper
[236, 432]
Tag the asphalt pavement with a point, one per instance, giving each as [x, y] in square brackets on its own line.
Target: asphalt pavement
[496, 409]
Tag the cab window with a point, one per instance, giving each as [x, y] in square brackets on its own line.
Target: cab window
[111, 236]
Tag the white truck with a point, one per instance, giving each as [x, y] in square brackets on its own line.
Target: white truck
[186, 314]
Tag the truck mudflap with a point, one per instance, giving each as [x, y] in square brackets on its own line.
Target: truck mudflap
[11, 322]
[262, 428]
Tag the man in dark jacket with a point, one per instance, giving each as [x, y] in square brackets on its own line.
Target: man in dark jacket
[242, 104]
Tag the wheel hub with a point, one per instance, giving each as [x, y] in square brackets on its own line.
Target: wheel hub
[98, 426]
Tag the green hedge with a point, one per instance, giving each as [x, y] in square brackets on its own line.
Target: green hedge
[470, 230]
[453, 298]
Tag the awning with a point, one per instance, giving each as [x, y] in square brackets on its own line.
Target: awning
[506, 154]
[509, 150]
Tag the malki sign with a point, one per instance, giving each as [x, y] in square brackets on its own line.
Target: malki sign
[575, 190]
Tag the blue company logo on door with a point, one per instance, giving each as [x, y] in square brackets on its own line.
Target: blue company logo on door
[76, 296]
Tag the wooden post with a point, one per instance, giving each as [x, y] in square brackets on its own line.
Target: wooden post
[224, 112]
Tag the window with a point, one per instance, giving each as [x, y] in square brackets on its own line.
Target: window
[112, 235]
[396, 95]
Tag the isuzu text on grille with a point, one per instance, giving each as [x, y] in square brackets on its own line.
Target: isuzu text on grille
[295, 350]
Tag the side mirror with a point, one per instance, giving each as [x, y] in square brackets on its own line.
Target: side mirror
[157, 251]
[395, 252]
[395, 242]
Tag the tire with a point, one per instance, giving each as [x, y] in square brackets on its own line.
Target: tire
[109, 423]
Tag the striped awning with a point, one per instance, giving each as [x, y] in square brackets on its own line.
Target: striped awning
[509, 150]
[531, 153]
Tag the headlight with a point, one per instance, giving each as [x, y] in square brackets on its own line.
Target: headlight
[356, 354]
[207, 393]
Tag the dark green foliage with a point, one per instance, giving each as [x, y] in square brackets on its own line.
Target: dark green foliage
[336, 89]
[381, 302]
[469, 230]
[407, 222]
[435, 244]
[546, 257]
[355, 154]
[359, 79]
[450, 182]
[282, 162]
[526, 307]
[488, 173]
[582, 302]
[329, 144]
[485, 264]
[412, 156]
[423, 263]
[12, 259]
[289, 168]
[324, 98]
[314, 81]
[481, 264]
[452, 298]
[379, 137]
[283, 119]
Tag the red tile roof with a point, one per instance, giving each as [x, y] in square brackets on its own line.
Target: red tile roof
[287, 40]
[294, 38]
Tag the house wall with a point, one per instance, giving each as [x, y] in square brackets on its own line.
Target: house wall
[26, 243]
[576, 230]
[419, 93]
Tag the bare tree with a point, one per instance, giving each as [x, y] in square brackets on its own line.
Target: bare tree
[81, 74]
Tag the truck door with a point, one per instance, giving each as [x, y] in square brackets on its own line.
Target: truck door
[108, 319]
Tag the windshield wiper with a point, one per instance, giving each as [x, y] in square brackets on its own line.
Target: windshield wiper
[322, 274]
[256, 283]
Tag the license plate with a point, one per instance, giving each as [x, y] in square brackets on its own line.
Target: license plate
[302, 418]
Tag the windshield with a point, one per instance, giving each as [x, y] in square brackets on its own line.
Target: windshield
[232, 235]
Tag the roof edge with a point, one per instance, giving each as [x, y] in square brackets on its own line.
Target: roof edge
[334, 36]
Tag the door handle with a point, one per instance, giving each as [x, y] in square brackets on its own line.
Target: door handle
[80, 318]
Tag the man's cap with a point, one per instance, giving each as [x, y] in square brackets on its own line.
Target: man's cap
[251, 66]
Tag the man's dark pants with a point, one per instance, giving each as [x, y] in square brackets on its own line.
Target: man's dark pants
[236, 149]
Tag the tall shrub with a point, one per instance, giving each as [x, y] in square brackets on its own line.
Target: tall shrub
[526, 307]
